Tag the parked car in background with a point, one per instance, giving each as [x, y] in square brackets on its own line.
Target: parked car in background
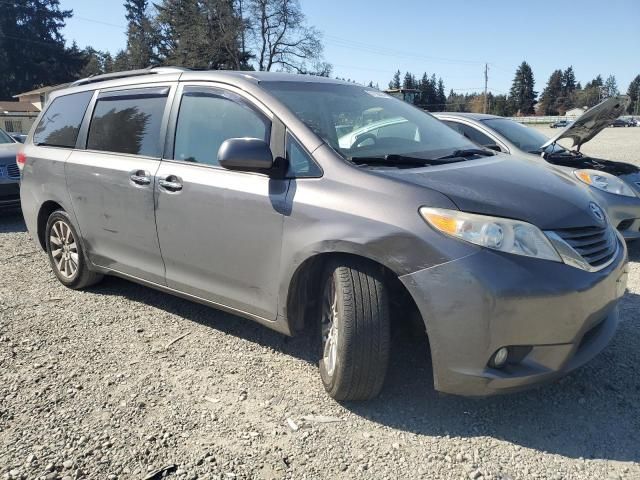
[18, 137]
[233, 189]
[9, 172]
[560, 124]
[621, 122]
[616, 185]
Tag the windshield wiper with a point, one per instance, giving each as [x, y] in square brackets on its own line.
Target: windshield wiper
[394, 159]
[468, 152]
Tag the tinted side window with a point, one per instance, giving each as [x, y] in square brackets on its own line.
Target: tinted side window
[128, 121]
[207, 118]
[300, 163]
[61, 121]
[471, 133]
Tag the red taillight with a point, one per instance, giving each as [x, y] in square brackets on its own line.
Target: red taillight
[21, 159]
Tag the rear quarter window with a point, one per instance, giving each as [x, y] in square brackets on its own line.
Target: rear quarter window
[60, 123]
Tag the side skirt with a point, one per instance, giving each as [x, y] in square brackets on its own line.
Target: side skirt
[279, 325]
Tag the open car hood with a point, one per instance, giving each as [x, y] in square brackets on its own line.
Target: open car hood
[593, 121]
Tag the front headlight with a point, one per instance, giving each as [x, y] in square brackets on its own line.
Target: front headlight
[502, 234]
[604, 181]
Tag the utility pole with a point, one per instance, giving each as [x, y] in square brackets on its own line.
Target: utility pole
[486, 80]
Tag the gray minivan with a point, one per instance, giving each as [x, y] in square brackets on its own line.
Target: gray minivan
[232, 189]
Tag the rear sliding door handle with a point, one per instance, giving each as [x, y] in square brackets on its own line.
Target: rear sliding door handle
[171, 183]
[140, 177]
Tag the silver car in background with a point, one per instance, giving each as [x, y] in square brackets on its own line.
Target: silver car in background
[9, 172]
[616, 185]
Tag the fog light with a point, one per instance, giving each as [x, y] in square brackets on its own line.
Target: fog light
[499, 358]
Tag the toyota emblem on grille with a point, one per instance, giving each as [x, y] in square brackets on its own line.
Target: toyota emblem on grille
[597, 212]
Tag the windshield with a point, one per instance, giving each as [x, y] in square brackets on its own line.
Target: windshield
[5, 138]
[362, 122]
[525, 138]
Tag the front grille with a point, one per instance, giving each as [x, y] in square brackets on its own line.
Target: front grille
[596, 245]
[13, 171]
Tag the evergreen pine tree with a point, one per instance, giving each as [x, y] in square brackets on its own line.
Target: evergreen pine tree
[634, 94]
[32, 45]
[394, 84]
[522, 96]
[139, 34]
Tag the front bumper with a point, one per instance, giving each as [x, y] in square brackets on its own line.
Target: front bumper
[9, 194]
[477, 304]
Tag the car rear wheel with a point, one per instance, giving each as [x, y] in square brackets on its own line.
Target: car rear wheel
[354, 330]
[66, 254]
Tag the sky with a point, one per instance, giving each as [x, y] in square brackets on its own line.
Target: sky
[368, 40]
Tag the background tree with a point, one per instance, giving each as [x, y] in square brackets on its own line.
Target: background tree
[552, 93]
[610, 88]
[395, 81]
[634, 94]
[201, 34]
[567, 99]
[428, 93]
[282, 37]
[31, 43]
[591, 94]
[522, 96]
[441, 98]
[140, 34]
[409, 81]
[96, 62]
[499, 105]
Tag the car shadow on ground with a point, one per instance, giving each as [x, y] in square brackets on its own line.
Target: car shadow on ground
[592, 413]
[11, 221]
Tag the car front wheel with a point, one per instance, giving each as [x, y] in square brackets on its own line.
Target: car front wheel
[65, 253]
[354, 330]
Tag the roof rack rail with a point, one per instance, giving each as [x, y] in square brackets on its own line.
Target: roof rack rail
[127, 73]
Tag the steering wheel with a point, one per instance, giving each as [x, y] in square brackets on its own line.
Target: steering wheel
[361, 139]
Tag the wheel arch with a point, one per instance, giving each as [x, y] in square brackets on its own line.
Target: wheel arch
[305, 282]
[46, 209]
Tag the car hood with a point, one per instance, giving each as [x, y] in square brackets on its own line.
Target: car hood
[593, 121]
[8, 152]
[510, 187]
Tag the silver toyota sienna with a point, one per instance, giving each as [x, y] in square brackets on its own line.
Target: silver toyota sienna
[246, 191]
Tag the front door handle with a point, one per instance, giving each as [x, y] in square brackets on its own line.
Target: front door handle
[171, 183]
[140, 177]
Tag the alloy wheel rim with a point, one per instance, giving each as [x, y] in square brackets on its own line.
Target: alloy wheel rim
[330, 319]
[64, 249]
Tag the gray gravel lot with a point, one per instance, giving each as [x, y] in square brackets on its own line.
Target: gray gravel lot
[91, 388]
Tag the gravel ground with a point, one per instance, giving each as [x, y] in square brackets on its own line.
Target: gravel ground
[92, 387]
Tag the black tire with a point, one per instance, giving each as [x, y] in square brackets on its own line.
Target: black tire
[76, 279]
[362, 352]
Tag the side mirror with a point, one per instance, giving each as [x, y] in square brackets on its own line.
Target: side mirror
[494, 146]
[245, 154]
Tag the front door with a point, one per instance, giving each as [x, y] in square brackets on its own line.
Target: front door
[111, 182]
[220, 231]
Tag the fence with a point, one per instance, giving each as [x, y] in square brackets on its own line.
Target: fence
[552, 119]
[17, 122]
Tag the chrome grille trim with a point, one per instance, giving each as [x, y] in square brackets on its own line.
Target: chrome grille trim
[590, 248]
[13, 171]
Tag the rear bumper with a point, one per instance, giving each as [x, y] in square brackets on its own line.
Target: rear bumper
[475, 305]
[9, 194]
